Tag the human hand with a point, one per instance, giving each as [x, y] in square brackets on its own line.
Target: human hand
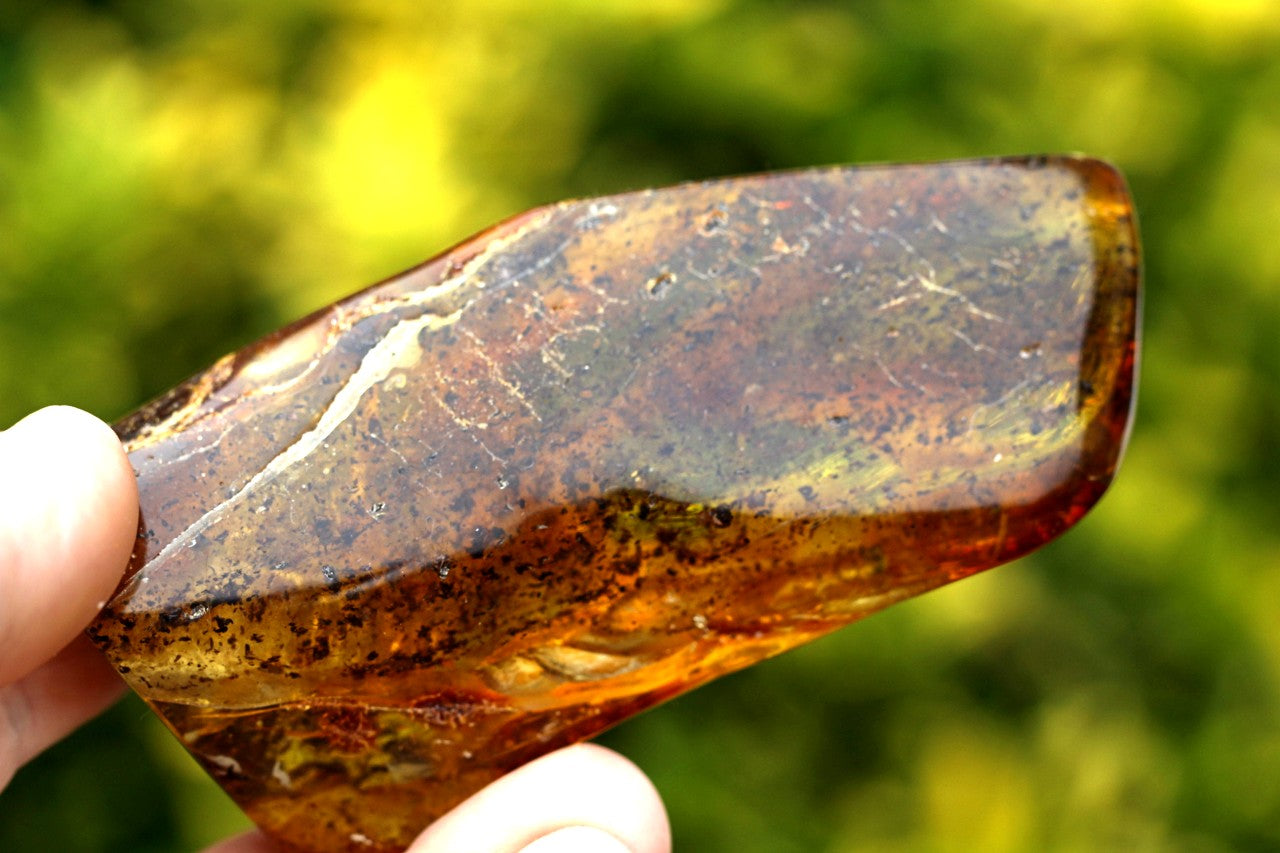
[68, 516]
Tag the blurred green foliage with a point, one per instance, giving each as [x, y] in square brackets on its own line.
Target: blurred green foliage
[178, 178]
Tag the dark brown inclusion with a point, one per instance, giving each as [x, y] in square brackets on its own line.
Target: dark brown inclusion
[603, 453]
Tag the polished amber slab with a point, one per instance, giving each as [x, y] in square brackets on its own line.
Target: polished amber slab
[603, 453]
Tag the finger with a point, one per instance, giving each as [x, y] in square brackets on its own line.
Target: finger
[577, 839]
[68, 516]
[582, 795]
[41, 708]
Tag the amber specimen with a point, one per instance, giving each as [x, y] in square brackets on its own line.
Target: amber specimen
[603, 453]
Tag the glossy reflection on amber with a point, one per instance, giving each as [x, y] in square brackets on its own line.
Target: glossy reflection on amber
[603, 453]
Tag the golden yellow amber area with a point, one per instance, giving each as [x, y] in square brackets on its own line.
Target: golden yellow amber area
[603, 453]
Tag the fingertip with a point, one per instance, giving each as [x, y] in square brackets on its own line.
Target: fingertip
[68, 517]
[629, 799]
[582, 786]
[577, 839]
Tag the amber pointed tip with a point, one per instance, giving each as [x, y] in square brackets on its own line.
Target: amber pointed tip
[1108, 191]
[1104, 181]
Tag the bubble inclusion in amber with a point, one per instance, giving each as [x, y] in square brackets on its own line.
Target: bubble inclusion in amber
[603, 453]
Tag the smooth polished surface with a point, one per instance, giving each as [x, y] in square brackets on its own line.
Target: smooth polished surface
[603, 453]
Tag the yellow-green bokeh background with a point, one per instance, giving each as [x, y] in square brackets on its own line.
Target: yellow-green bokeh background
[177, 178]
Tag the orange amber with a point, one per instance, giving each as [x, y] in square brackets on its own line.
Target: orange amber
[603, 453]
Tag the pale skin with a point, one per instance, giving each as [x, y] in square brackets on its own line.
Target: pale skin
[68, 514]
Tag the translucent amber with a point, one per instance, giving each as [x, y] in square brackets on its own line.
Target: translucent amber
[603, 453]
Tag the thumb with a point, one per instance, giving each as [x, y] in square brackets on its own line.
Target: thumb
[582, 797]
[68, 517]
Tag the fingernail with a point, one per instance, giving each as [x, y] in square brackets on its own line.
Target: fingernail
[577, 839]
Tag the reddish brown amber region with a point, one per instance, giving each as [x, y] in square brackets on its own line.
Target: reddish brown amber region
[603, 453]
